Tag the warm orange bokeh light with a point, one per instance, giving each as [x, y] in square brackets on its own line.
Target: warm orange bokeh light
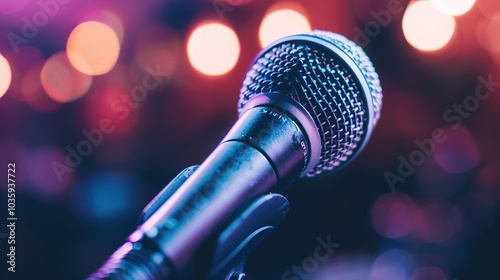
[110, 19]
[425, 28]
[453, 7]
[281, 23]
[24, 63]
[93, 48]
[213, 49]
[5, 75]
[61, 81]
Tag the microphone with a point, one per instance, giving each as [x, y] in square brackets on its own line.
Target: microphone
[307, 106]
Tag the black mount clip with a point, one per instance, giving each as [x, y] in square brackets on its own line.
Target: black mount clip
[250, 226]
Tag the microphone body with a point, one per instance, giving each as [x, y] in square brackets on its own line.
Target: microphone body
[242, 167]
[235, 172]
[301, 113]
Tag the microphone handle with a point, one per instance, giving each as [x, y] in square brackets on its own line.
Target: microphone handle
[133, 262]
[264, 151]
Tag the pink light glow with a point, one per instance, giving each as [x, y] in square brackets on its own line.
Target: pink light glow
[428, 273]
[459, 153]
[42, 174]
[393, 215]
[438, 222]
[10, 7]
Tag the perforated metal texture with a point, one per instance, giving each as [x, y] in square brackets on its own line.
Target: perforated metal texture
[316, 77]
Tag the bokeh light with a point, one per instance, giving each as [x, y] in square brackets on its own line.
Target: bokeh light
[24, 64]
[61, 81]
[93, 48]
[438, 222]
[492, 37]
[459, 153]
[157, 47]
[110, 19]
[280, 23]
[44, 104]
[235, 3]
[388, 272]
[428, 273]
[481, 33]
[489, 8]
[392, 264]
[453, 7]
[213, 49]
[5, 75]
[10, 7]
[108, 102]
[42, 174]
[31, 88]
[345, 267]
[425, 28]
[393, 215]
[14, 151]
[105, 196]
[487, 35]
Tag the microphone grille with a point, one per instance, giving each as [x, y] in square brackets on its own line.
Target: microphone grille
[333, 79]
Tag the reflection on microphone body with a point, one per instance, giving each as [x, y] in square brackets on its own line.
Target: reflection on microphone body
[307, 107]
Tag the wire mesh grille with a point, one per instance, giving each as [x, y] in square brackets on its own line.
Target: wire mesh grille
[325, 86]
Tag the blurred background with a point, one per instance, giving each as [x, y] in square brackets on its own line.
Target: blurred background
[103, 102]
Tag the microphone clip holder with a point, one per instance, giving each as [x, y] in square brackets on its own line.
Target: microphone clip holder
[250, 225]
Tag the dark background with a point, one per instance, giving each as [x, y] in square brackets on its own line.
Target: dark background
[440, 222]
